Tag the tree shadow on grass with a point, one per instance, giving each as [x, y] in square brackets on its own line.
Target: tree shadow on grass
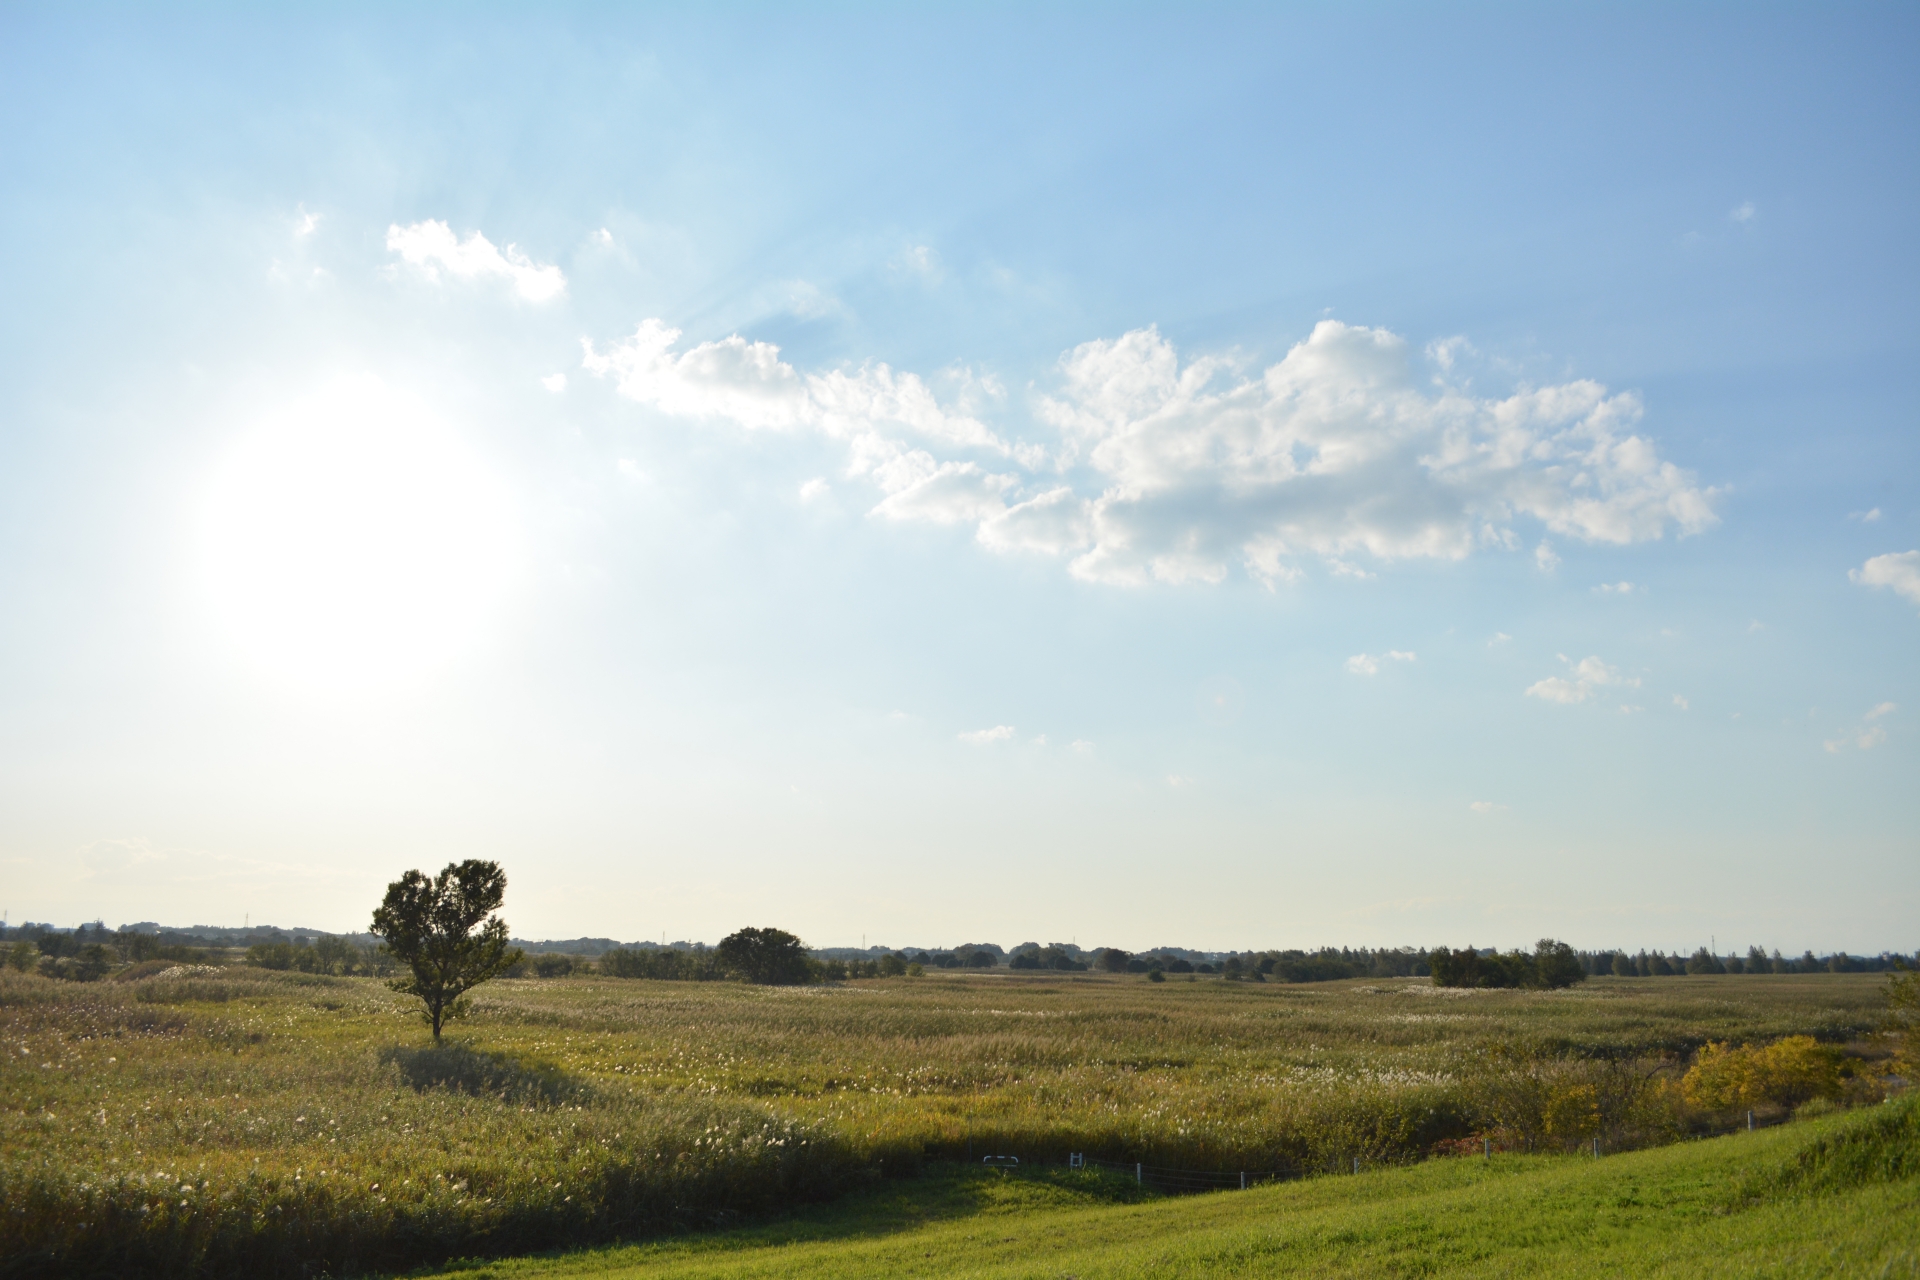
[459, 1069]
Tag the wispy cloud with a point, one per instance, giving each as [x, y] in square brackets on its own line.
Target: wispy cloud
[1743, 212]
[1486, 806]
[1615, 589]
[1366, 664]
[985, 737]
[1867, 734]
[1583, 680]
[433, 247]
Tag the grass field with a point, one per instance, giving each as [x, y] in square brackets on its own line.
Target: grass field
[243, 1122]
[1834, 1197]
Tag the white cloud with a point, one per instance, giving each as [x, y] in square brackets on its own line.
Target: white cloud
[814, 488]
[1867, 735]
[603, 237]
[1083, 746]
[432, 246]
[921, 260]
[1744, 212]
[1177, 780]
[1175, 474]
[1544, 557]
[1499, 637]
[1899, 570]
[1865, 517]
[875, 411]
[1615, 589]
[555, 382]
[1582, 681]
[630, 469]
[1486, 806]
[1366, 664]
[982, 737]
[1681, 703]
[305, 224]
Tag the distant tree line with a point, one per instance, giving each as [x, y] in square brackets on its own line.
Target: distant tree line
[1550, 965]
[93, 951]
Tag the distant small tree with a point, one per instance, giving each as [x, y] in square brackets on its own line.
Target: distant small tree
[444, 930]
[1113, 959]
[1622, 965]
[1555, 965]
[1903, 1020]
[771, 957]
[1704, 961]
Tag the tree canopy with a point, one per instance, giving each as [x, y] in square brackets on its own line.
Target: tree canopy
[444, 930]
[1552, 964]
[772, 957]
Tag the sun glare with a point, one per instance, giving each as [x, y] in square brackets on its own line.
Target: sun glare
[353, 543]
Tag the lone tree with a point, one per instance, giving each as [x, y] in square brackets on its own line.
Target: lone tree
[772, 957]
[430, 926]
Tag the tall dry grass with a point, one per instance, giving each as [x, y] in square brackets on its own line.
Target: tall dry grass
[244, 1123]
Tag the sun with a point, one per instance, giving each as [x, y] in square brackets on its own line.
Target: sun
[352, 542]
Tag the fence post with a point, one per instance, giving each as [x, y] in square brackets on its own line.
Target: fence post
[1749, 1122]
[1596, 1148]
[1243, 1179]
[1486, 1148]
[1356, 1164]
[1137, 1179]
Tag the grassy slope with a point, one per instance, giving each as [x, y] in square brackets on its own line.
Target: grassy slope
[1714, 1208]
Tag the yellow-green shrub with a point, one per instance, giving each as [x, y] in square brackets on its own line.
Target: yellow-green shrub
[1785, 1073]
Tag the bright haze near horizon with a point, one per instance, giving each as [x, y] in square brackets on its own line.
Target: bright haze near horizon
[1222, 477]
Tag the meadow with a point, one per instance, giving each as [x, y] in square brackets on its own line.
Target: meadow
[1838, 1196]
[238, 1122]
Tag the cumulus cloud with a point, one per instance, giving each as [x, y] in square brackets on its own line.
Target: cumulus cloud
[1680, 701]
[1485, 806]
[1583, 680]
[1366, 664]
[1744, 212]
[1898, 570]
[1171, 472]
[1615, 589]
[983, 737]
[433, 247]
[555, 382]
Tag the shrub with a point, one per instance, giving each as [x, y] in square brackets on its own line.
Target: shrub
[1785, 1073]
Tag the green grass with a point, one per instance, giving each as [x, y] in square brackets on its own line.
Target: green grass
[243, 1122]
[1832, 1197]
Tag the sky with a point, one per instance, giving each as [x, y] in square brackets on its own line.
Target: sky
[1216, 476]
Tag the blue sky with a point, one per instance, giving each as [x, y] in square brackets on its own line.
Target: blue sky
[1220, 476]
